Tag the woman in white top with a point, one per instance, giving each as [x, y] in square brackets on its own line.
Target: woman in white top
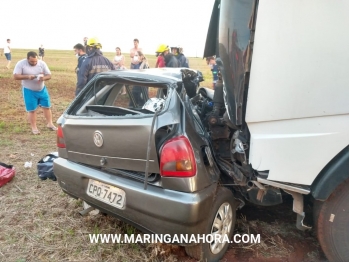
[119, 59]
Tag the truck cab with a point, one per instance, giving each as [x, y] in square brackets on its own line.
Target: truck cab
[281, 108]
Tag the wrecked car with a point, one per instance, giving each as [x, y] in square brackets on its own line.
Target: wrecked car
[146, 157]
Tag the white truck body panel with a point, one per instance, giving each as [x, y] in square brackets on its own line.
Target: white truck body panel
[298, 98]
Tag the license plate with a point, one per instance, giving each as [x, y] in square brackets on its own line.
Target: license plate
[111, 195]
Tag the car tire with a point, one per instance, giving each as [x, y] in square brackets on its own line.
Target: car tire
[224, 204]
[331, 220]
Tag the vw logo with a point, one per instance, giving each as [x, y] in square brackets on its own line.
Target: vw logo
[98, 138]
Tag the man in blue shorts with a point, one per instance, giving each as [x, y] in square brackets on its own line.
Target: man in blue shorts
[33, 73]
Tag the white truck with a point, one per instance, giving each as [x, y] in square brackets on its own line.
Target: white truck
[285, 89]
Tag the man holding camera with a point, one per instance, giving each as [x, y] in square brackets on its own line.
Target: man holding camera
[33, 73]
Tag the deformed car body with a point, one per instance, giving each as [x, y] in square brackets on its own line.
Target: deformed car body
[276, 123]
[154, 170]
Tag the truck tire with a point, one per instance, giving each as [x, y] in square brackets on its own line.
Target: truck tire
[222, 217]
[332, 223]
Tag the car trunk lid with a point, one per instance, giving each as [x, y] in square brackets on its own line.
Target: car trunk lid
[109, 143]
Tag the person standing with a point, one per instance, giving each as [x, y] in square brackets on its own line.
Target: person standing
[80, 53]
[177, 51]
[119, 59]
[41, 52]
[143, 61]
[170, 59]
[94, 63]
[138, 91]
[119, 63]
[33, 72]
[211, 62]
[135, 59]
[160, 62]
[7, 52]
[85, 41]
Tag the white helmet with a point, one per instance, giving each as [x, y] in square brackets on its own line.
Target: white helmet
[179, 48]
[154, 104]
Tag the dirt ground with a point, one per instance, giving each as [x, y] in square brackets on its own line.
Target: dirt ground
[38, 222]
[280, 239]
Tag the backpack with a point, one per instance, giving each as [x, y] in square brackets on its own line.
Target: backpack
[7, 172]
[45, 167]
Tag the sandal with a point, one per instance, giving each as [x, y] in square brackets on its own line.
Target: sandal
[52, 128]
[36, 132]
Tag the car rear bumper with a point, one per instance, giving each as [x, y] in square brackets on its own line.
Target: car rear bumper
[154, 210]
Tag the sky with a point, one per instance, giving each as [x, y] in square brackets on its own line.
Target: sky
[62, 24]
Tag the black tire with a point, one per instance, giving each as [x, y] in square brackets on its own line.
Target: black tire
[331, 220]
[203, 251]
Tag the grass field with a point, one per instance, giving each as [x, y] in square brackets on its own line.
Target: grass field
[38, 222]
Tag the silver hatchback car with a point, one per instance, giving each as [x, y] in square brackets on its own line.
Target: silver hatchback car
[145, 157]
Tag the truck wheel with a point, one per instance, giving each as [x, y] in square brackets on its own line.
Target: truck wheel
[332, 223]
[221, 222]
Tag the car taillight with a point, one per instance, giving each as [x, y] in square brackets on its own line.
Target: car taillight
[60, 138]
[177, 158]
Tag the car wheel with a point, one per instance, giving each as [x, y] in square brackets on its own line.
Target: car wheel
[332, 223]
[221, 222]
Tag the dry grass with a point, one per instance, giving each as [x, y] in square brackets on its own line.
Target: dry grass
[38, 222]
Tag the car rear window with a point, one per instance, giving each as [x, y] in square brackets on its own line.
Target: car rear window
[114, 97]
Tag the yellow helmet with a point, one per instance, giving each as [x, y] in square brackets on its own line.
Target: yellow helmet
[162, 48]
[94, 42]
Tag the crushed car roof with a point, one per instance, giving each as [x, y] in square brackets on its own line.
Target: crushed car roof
[155, 74]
